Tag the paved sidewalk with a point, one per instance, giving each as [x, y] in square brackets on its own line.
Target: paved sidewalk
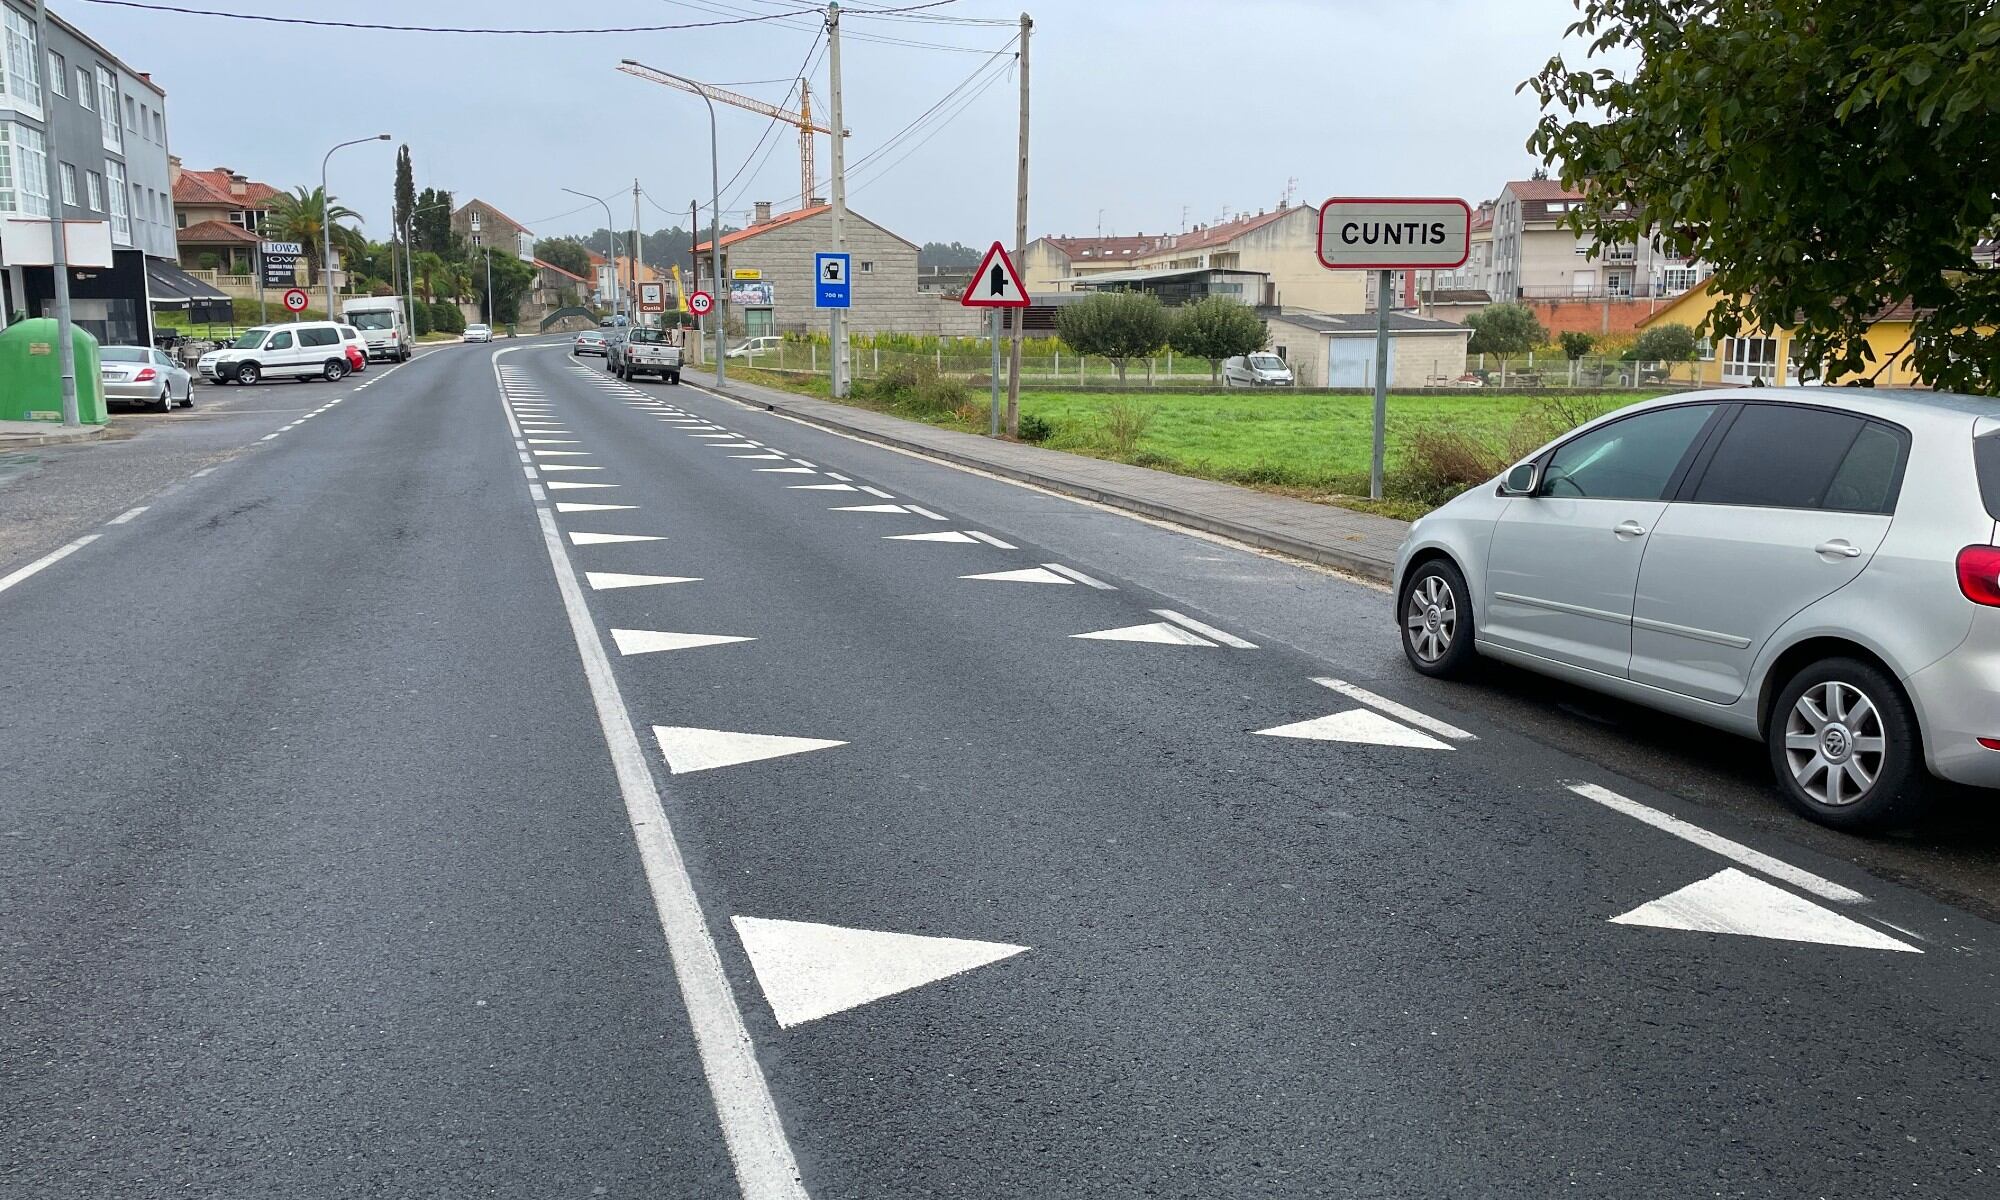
[1361, 543]
[44, 433]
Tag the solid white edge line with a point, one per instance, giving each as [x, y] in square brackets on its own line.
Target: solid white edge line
[766, 1168]
[47, 560]
[1204, 629]
[202, 472]
[127, 515]
[1080, 577]
[875, 491]
[990, 540]
[1756, 860]
[1420, 720]
[921, 511]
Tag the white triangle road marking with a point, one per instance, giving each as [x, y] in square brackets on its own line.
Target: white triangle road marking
[687, 749]
[562, 453]
[653, 641]
[606, 539]
[762, 457]
[820, 487]
[785, 470]
[1160, 633]
[575, 508]
[1357, 725]
[568, 467]
[1731, 901]
[948, 536]
[560, 485]
[808, 971]
[604, 581]
[868, 508]
[732, 445]
[1027, 575]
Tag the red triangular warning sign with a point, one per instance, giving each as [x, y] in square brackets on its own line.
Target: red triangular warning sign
[996, 284]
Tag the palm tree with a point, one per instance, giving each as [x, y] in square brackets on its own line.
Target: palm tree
[301, 216]
[428, 268]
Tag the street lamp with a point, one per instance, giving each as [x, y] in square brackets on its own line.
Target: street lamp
[326, 219]
[610, 231]
[715, 226]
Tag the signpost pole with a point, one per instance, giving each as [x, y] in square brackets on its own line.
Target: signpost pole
[263, 305]
[1381, 384]
[994, 430]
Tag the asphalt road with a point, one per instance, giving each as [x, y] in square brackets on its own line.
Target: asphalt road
[520, 783]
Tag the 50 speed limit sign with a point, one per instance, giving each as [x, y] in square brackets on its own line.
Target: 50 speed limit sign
[700, 303]
[295, 301]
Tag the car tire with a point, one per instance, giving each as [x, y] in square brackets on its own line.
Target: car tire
[336, 369]
[1440, 641]
[248, 373]
[187, 401]
[164, 402]
[1848, 714]
[674, 378]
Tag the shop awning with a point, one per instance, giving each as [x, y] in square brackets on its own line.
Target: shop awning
[171, 287]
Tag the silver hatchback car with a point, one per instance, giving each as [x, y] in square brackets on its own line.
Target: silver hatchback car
[1817, 570]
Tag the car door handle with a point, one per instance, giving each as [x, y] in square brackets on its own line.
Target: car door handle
[1838, 547]
[1629, 529]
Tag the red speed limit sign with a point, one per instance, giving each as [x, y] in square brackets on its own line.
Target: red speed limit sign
[295, 301]
[699, 303]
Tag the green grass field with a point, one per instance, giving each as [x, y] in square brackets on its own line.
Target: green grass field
[1313, 446]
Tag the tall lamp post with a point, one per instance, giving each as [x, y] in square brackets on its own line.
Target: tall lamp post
[715, 217]
[610, 231]
[326, 222]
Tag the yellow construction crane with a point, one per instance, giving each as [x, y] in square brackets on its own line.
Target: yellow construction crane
[802, 119]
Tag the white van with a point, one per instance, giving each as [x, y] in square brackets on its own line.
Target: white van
[1262, 369]
[297, 350]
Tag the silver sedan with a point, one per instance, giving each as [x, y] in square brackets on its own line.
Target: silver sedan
[140, 375]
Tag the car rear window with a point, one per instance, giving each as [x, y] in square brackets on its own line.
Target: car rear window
[1986, 460]
[1778, 456]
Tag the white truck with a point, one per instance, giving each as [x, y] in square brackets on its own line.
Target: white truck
[383, 325]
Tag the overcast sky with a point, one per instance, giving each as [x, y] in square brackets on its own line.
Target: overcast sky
[1147, 113]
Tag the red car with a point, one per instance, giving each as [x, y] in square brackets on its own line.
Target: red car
[356, 358]
[357, 349]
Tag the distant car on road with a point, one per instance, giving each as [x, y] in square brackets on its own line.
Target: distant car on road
[1262, 369]
[614, 322]
[141, 375]
[755, 345]
[589, 342]
[478, 333]
[1820, 573]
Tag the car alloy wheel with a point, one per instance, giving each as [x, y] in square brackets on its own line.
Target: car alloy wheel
[1835, 743]
[336, 370]
[164, 402]
[1431, 618]
[248, 374]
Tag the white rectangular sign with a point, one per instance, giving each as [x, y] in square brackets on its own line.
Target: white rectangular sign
[25, 243]
[1380, 231]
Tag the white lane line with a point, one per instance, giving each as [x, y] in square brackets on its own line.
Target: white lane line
[875, 491]
[1756, 860]
[524, 456]
[202, 472]
[127, 515]
[1080, 577]
[921, 511]
[992, 541]
[802, 462]
[528, 471]
[766, 1168]
[1205, 630]
[1404, 711]
[839, 476]
[47, 560]
[267, 437]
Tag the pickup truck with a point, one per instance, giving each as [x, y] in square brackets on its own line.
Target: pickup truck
[640, 351]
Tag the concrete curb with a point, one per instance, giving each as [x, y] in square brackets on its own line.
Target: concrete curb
[88, 433]
[1325, 555]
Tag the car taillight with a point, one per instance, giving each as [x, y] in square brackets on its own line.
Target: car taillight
[145, 374]
[1979, 574]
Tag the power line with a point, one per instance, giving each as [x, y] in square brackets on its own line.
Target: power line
[784, 18]
[996, 56]
[325, 23]
[884, 171]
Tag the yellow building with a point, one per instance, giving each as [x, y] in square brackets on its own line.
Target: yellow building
[1766, 356]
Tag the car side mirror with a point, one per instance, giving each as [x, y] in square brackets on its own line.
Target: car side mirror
[1522, 480]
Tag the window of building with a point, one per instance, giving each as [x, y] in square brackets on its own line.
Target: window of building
[21, 71]
[69, 184]
[1748, 358]
[84, 88]
[121, 221]
[58, 74]
[159, 127]
[24, 171]
[131, 114]
[1675, 280]
[93, 190]
[107, 110]
[180, 219]
[867, 266]
[475, 237]
[475, 221]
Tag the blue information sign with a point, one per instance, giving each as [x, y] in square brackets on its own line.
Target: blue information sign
[831, 288]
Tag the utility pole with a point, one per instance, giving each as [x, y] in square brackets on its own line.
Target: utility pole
[694, 256]
[638, 251]
[836, 318]
[58, 244]
[1018, 315]
[492, 309]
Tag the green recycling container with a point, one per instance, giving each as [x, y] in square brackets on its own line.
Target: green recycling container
[31, 373]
